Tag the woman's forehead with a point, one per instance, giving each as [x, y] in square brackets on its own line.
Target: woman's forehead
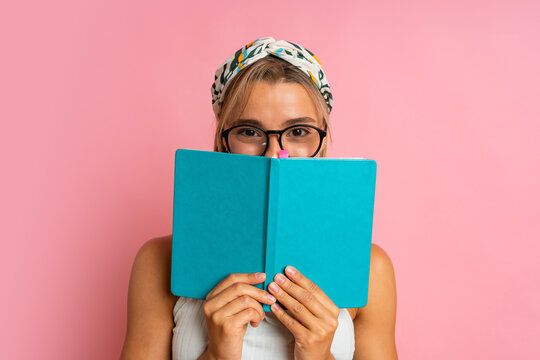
[279, 104]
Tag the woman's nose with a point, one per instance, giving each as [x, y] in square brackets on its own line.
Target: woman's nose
[273, 146]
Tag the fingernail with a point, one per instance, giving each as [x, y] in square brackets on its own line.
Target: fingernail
[271, 298]
[290, 270]
[273, 287]
[260, 276]
[280, 278]
[275, 307]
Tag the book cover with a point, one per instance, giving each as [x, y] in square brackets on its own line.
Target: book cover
[242, 213]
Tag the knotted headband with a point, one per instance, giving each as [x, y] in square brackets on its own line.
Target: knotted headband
[295, 54]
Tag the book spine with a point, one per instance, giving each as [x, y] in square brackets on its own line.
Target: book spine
[271, 224]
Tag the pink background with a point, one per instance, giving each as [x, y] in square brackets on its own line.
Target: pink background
[96, 96]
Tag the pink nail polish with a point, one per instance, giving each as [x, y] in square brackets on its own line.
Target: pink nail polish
[260, 276]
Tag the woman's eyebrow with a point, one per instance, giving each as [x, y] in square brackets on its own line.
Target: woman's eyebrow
[300, 120]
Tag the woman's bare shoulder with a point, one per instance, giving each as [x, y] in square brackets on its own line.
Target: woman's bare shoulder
[150, 301]
[157, 247]
[381, 272]
[380, 261]
[152, 267]
[375, 323]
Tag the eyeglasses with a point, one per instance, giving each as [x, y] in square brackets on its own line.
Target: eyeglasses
[299, 140]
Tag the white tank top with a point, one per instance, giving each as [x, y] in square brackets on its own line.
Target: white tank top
[271, 340]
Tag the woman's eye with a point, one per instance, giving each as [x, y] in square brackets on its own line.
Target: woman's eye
[248, 132]
[299, 132]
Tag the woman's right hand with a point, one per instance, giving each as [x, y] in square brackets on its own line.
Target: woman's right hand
[228, 308]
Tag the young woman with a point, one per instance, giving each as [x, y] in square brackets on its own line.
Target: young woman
[270, 95]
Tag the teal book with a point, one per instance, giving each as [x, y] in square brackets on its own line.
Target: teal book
[237, 213]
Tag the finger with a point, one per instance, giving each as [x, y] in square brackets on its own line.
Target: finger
[298, 278]
[237, 306]
[245, 316]
[297, 329]
[248, 278]
[298, 311]
[302, 296]
[236, 290]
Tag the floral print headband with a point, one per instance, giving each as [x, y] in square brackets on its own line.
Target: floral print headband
[295, 54]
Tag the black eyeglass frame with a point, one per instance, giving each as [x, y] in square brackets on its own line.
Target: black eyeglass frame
[322, 135]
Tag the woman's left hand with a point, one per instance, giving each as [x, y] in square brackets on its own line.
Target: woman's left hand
[314, 317]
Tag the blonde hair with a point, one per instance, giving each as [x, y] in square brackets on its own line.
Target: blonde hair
[273, 70]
